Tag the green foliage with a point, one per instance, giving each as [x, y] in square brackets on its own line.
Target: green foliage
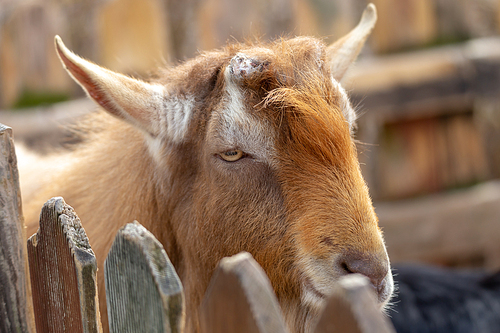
[36, 98]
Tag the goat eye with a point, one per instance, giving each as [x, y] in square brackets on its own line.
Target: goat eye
[232, 155]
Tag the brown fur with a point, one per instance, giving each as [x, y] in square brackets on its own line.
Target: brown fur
[313, 202]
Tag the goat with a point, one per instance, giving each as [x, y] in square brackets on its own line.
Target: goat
[437, 300]
[246, 148]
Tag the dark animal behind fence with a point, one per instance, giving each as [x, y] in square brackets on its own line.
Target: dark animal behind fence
[437, 300]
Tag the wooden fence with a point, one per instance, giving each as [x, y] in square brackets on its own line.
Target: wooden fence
[143, 291]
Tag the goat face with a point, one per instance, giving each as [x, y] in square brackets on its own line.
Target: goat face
[253, 151]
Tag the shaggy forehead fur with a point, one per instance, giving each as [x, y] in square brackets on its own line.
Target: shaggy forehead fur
[294, 91]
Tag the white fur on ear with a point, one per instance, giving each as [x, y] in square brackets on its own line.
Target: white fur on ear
[342, 53]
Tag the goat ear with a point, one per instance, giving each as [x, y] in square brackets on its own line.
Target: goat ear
[133, 100]
[341, 54]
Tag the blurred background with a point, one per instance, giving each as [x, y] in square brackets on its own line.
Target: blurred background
[426, 85]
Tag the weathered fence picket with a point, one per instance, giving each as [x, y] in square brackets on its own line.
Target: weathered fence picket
[14, 305]
[353, 309]
[63, 273]
[240, 299]
[143, 291]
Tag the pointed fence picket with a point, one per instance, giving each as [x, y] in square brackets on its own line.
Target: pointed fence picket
[353, 308]
[143, 291]
[240, 299]
[63, 273]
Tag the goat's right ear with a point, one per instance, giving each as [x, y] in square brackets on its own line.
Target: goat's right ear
[136, 101]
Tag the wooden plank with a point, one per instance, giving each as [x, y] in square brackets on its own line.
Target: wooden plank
[240, 299]
[404, 24]
[458, 228]
[63, 272]
[14, 313]
[448, 85]
[352, 308]
[143, 291]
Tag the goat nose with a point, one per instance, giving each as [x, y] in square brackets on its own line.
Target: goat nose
[375, 267]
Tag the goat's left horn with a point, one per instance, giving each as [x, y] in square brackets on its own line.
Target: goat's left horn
[242, 66]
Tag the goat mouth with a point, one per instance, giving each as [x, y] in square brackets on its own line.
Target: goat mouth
[383, 295]
[309, 286]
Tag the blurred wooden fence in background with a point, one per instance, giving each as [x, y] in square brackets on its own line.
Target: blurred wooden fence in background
[136, 36]
[143, 291]
[431, 118]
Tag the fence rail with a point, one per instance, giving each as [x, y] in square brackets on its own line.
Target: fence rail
[143, 291]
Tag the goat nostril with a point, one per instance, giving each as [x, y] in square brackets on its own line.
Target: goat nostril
[346, 268]
[375, 269]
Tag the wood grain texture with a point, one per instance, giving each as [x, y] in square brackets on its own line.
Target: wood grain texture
[352, 308]
[63, 272]
[432, 116]
[240, 299]
[455, 229]
[14, 316]
[143, 291]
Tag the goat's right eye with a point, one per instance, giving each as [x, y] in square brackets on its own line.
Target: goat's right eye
[232, 155]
